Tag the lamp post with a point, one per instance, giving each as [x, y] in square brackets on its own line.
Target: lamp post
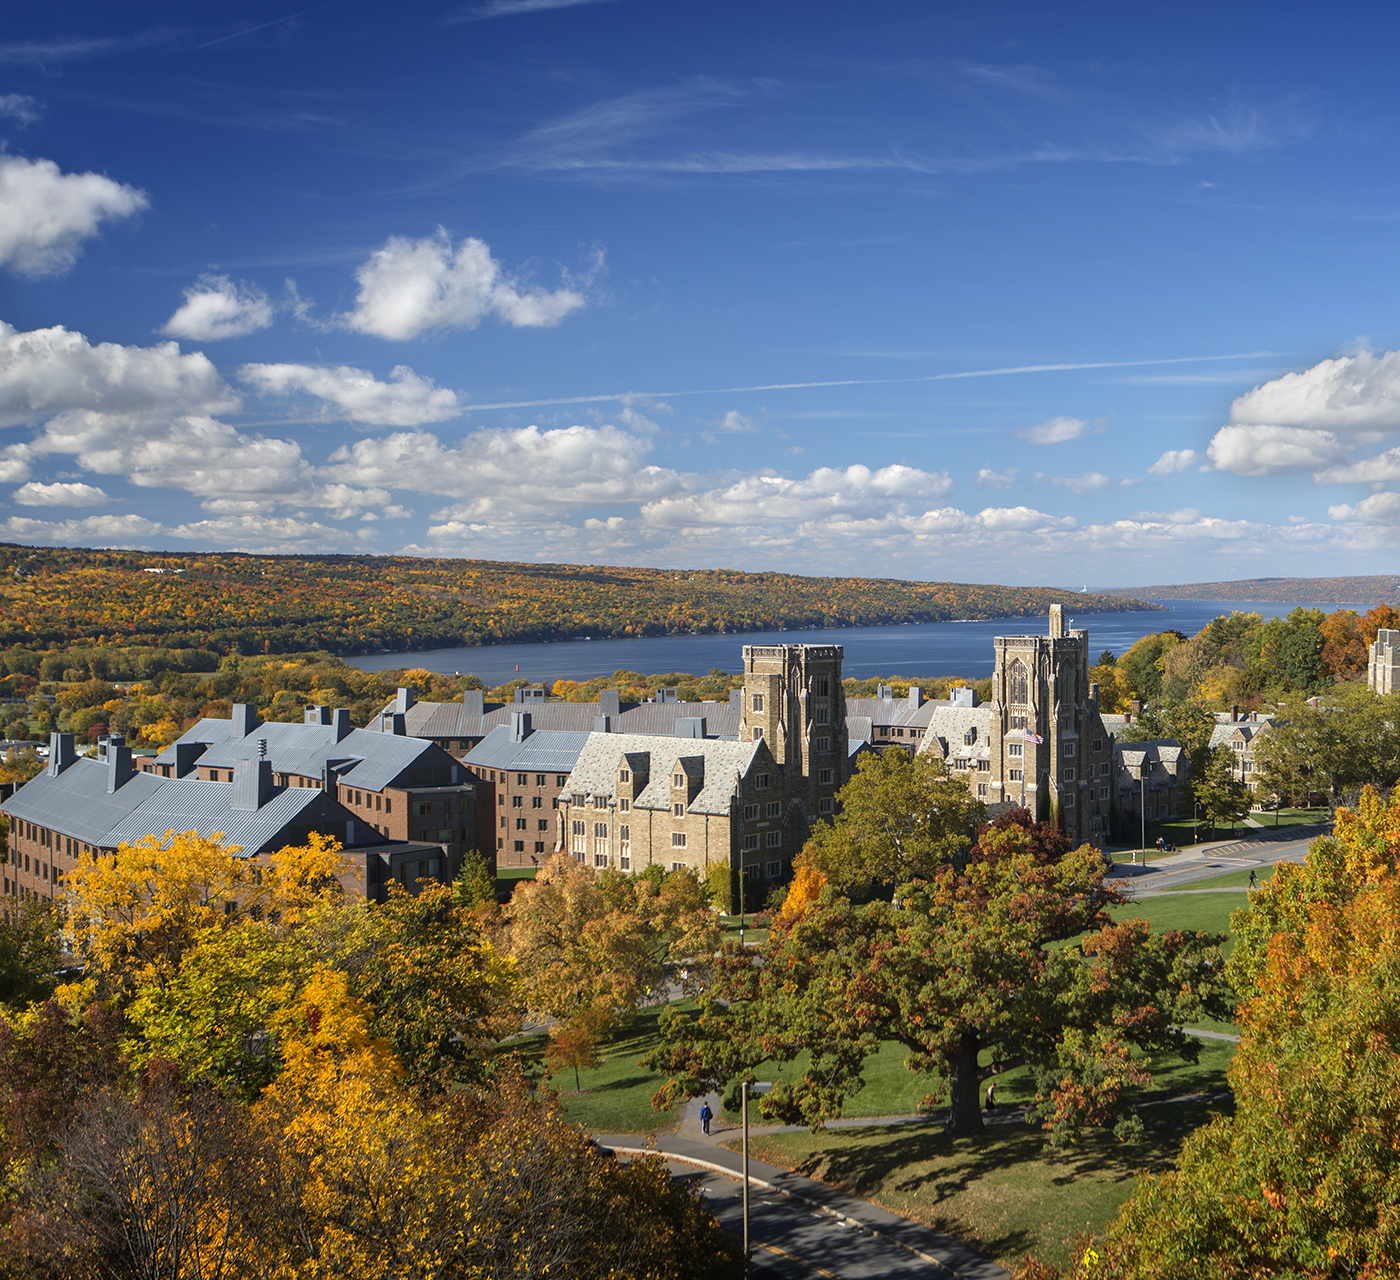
[1142, 806]
[742, 877]
[745, 1088]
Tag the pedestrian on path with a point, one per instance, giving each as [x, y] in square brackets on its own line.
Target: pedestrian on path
[1253, 879]
[706, 1115]
[992, 1096]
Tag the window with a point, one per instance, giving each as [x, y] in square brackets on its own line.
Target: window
[1015, 749]
[543, 824]
[539, 846]
[600, 829]
[757, 702]
[521, 779]
[821, 686]
[600, 859]
[826, 805]
[984, 766]
[501, 801]
[981, 788]
[773, 839]
[624, 804]
[1018, 722]
[503, 821]
[578, 828]
[625, 862]
[823, 714]
[678, 866]
[600, 802]
[774, 809]
[1069, 799]
[1069, 775]
[761, 782]
[679, 780]
[539, 779]
[1018, 682]
[824, 777]
[1014, 775]
[678, 809]
[1070, 750]
[757, 733]
[624, 833]
[520, 824]
[516, 802]
[624, 776]
[750, 843]
[823, 745]
[750, 812]
[1098, 744]
[1103, 794]
[520, 846]
[678, 839]
[537, 802]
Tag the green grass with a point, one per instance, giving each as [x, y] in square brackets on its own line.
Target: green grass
[1207, 911]
[616, 1094]
[509, 875]
[1229, 880]
[1003, 1191]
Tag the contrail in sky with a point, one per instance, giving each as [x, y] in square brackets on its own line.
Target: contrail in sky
[863, 382]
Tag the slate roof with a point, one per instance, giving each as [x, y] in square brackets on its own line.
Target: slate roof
[373, 760]
[77, 803]
[948, 726]
[454, 720]
[542, 751]
[1246, 729]
[726, 762]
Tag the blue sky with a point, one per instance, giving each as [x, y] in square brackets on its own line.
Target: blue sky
[985, 292]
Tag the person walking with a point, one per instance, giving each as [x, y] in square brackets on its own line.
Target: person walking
[1253, 879]
[992, 1096]
[706, 1115]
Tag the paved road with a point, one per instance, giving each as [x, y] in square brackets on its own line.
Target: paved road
[1176, 869]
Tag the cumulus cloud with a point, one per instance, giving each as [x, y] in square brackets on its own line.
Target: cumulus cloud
[46, 214]
[409, 286]
[1350, 393]
[216, 307]
[736, 422]
[1265, 449]
[1378, 508]
[60, 494]
[19, 107]
[104, 531]
[406, 400]
[996, 479]
[826, 492]
[1172, 461]
[1384, 468]
[1054, 431]
[47, 371]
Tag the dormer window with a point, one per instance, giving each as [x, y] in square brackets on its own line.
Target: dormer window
[758, 733]
[624, 776]
[679, 779]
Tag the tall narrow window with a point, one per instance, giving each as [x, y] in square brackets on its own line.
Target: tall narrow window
[1019, 682]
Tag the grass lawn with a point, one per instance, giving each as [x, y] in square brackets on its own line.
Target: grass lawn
[1003, 1191]
[616, 1095]
[1292, 817]
[1208, 911]
[1229, 880]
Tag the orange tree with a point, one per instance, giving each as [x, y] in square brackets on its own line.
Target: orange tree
[971, 969]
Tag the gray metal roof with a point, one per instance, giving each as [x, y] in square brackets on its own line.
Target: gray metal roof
[373, 760]
[454, 720]
[892, 711]
[725, 762]
[542, 751]
[77, 804]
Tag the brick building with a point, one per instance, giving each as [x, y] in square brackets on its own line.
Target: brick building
[403, 787]
[86, 805]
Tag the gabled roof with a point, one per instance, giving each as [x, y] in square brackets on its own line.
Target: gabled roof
[725, 764]
[891, 711]
[541, 751]
[374, 759]
[77, 804]
[454, 720]
[948, 727]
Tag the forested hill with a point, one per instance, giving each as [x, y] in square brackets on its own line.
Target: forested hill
[362, 604]
[1378, 588]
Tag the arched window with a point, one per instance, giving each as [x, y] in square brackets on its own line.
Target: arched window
[1019, 683]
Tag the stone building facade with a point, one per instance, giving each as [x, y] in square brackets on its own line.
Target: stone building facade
[1383, 669]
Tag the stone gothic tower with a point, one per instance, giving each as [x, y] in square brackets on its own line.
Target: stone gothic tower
[1383, 671]
[794, 701]
[1050, 753]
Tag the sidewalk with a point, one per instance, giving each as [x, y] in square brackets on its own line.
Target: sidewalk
[948, 1256]
[1158, 863]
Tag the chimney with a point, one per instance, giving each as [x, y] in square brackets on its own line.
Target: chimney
[964, 696]
[1093, 692]
[602, 724]
[317, 715]
[340, 722]
[690, 727]
[610, 703]
[1057, 621]
[62, 753]
[520, 726]
[403, 699]
[884, 691]
[1235, 713]
[245, 719]
[119, 768]
[736, 699]
[1135, 706]
[916, 696]
[186, 753]
[666, 695]
[252, 785]
[396, 723]
[474, 702]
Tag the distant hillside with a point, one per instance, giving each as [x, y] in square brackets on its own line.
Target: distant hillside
[1379, 588]
[229, 603]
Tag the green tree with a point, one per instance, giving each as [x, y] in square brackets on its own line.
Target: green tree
[902, 818]
[1223, 797]
[1142, 663]
[968, 970]
[30, 951]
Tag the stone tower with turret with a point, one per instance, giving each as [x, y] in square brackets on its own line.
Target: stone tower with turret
[1383, 670]
[794, 701]
[1049, 751]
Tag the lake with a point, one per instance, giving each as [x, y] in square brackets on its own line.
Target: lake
[916, 649]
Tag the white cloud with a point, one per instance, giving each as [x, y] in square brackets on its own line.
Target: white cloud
[826, 492]
[736, 422]
[19, 107]
[46, 214]
[1172, 461]
[1378, 508]
[1085, 482]
[406, 400]
[1350, 393]
[61, 494]
[106, 531]
[216, 307]
[1260, 450]
[269, 533]
[14, 463]
[411, 286]
[997, 479]
[1020, 518]
[513, 9]
[47, 371]
[1054, 431]
[1382, 469]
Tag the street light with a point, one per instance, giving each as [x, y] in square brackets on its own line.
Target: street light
[745, 1088]
[1142, 806]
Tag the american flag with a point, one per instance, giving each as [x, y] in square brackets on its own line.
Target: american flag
[1025, 735]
